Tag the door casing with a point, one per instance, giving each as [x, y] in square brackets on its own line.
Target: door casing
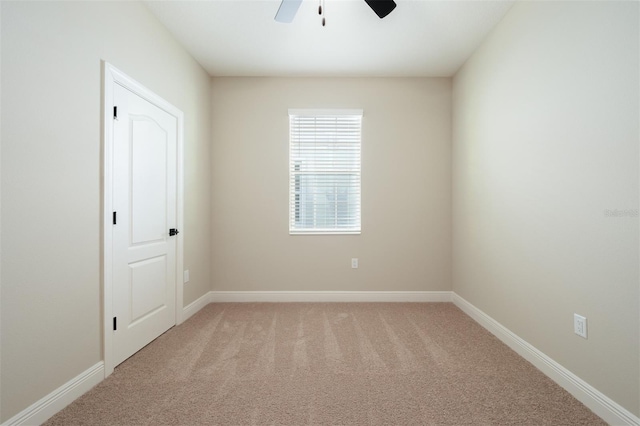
[111, 77]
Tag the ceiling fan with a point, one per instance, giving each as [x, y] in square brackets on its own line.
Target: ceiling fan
[288, 9]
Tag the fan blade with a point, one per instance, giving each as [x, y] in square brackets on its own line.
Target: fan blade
[381, 7]
[287, 11]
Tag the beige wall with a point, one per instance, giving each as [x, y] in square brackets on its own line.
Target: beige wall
[51, 189]
[405, 240]
[545, 139]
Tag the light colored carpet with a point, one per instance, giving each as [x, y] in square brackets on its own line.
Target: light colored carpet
[327, 363]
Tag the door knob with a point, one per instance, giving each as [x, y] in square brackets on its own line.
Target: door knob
[173, 231]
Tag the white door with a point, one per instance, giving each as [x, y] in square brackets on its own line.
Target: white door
[145, 210]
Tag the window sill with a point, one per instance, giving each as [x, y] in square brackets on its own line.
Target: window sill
[324, 232]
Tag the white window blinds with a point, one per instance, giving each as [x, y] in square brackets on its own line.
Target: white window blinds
[324, 171]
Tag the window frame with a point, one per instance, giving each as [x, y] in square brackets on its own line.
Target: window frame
[295, 179]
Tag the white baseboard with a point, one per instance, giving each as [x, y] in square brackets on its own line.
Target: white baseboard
[331, 296]
[40, 411]
[193, 307]
[595, 400]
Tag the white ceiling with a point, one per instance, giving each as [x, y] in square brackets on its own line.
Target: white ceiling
[419, 38]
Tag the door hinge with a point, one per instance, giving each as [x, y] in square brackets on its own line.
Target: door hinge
[115, 112]
[115, 323]
[114, 218]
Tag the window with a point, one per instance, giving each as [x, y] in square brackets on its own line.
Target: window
[324, 171]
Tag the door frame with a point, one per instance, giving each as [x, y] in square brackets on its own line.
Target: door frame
[111, 77]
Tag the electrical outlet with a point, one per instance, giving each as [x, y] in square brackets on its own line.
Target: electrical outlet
[580, 325]
[354, 263]
[185, 276]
